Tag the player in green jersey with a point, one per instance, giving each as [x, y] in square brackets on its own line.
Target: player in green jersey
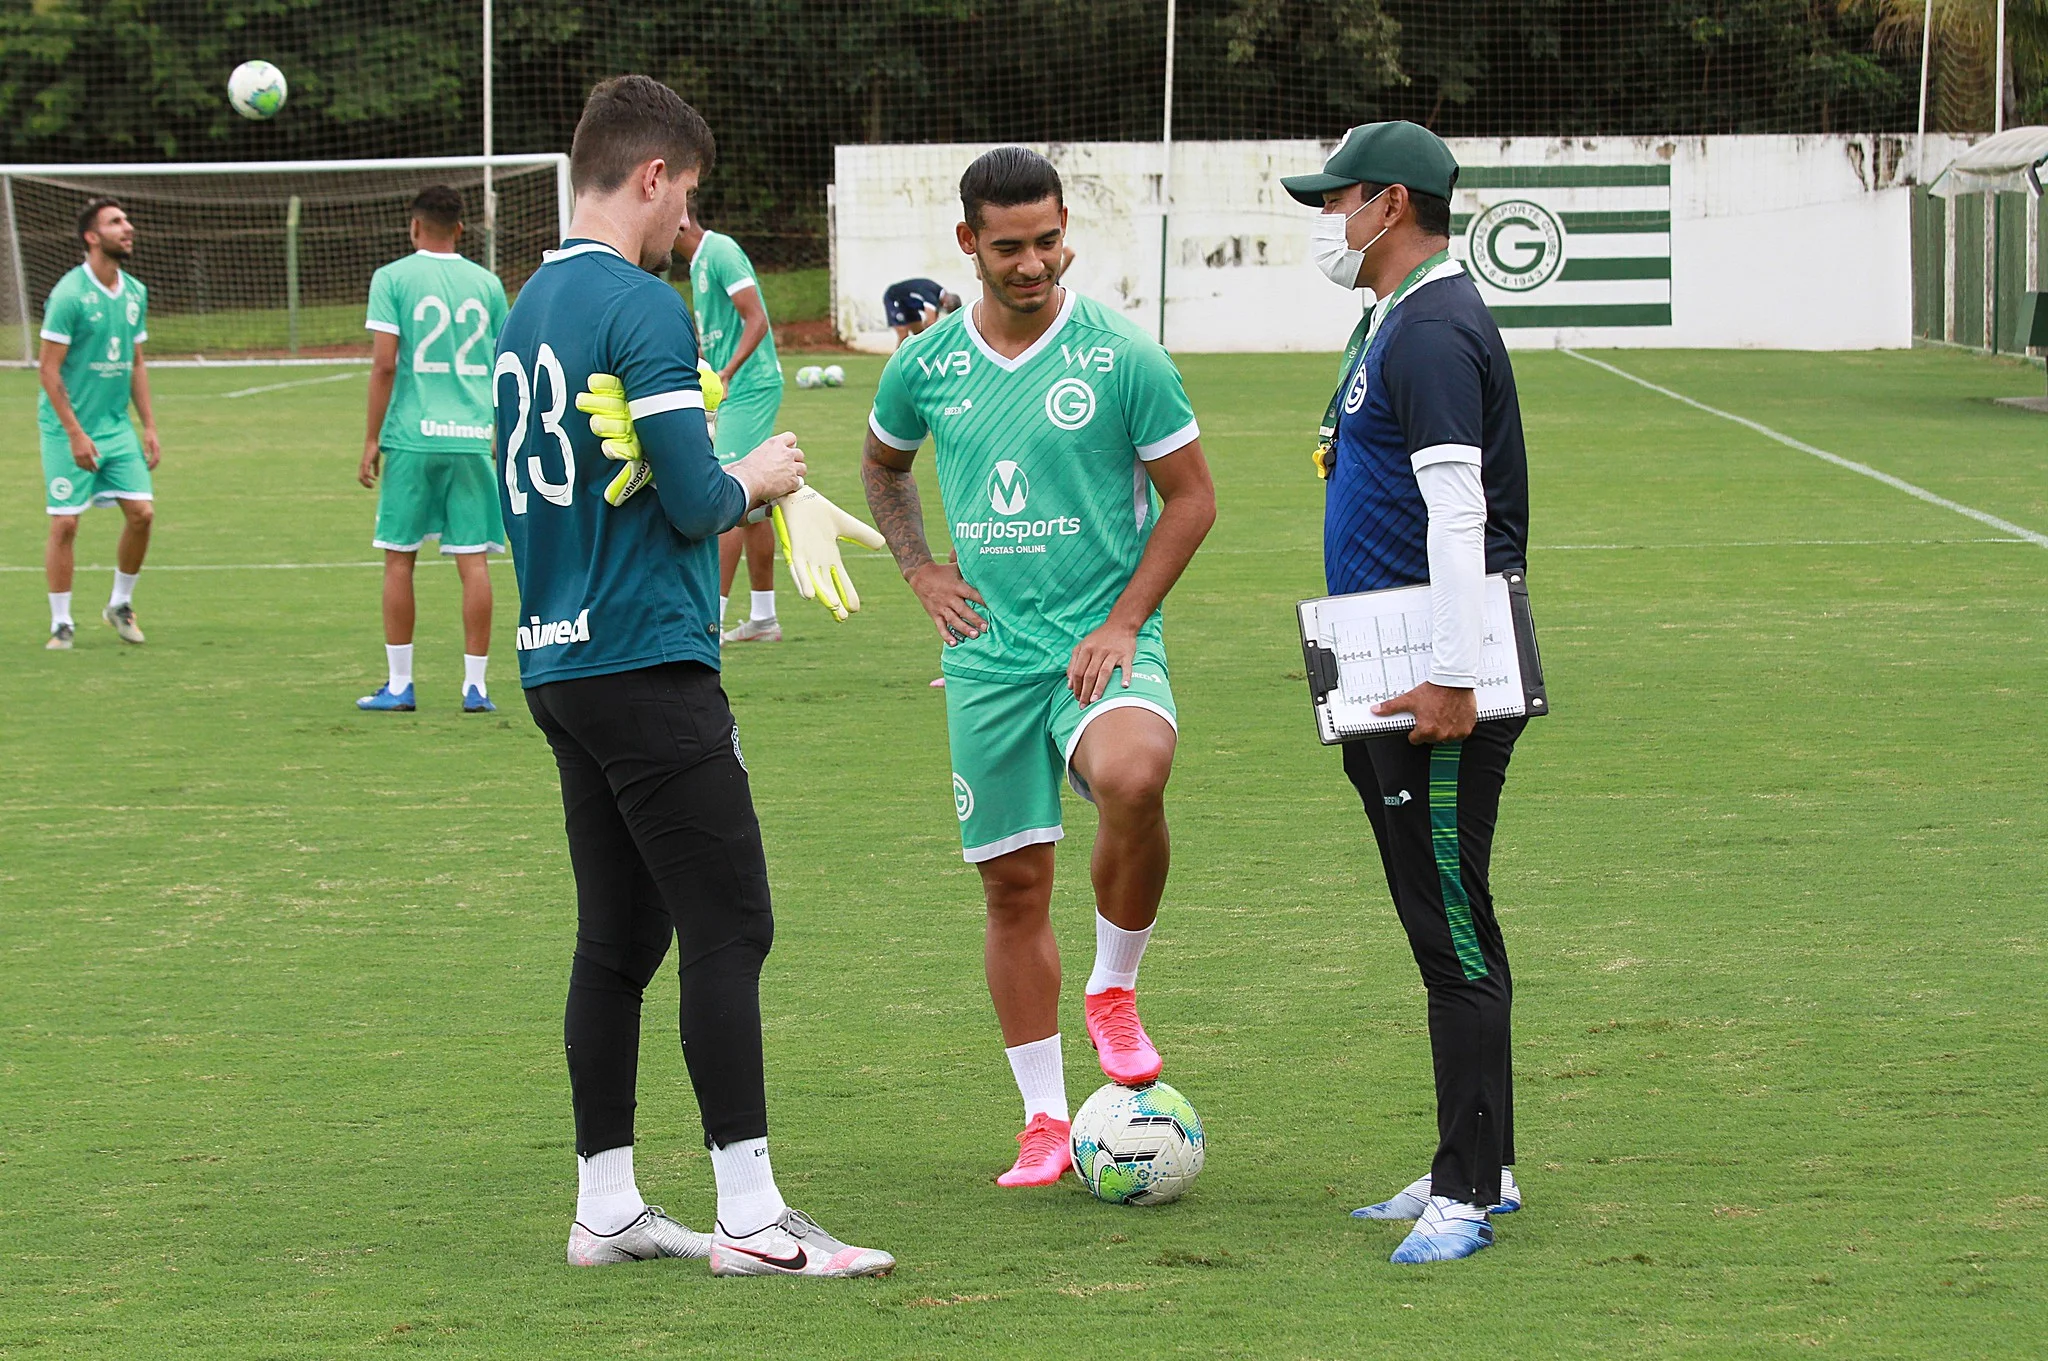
[93, 328]
[737, 339]
[1074, 484]
[434, 319]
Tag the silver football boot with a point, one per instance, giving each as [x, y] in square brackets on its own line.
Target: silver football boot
[652, 1235]
[793, 1245]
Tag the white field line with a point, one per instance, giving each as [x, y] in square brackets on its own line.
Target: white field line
[1270, 550]
[295, 383]
[1864, 469]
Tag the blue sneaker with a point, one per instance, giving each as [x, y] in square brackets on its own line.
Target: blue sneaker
[1445, 1232]
[475, 701]
[1413, 1199]
[385, 701]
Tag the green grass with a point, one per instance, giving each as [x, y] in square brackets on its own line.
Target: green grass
[280, 984]
[790, 294]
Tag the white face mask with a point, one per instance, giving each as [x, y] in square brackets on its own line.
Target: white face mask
[1326, 244]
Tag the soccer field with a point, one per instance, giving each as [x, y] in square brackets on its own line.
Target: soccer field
[281, 983]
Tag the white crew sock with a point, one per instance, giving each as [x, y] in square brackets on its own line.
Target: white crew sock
[124, 588]
[60, 609]
[764, 604]
[748, 1200]
[399, 655]
[473, 674]
[724, 604]
[1041, 1077]
[607, 1198]
[1117, 953]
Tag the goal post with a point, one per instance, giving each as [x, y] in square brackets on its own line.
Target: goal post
[264, 260]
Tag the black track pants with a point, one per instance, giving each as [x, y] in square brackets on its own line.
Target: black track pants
[664, 844]
[1433, 811]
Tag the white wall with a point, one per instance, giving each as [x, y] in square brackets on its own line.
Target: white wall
[1797, 242]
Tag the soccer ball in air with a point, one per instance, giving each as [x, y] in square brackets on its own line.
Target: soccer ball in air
[833, 375]
[1137, 1145]
[810, 376]
[256, 89]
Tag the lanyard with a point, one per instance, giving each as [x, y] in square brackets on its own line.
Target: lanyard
[1354, 355]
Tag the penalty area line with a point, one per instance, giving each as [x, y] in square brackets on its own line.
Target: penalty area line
[1863, 469]
[295, 383]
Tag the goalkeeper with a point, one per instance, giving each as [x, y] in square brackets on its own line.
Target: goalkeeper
[618, 654]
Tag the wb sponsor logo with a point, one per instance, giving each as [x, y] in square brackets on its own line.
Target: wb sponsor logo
[956, 362]
[1008, 488]
[1516, 246]
[1070, 404]
[1101, 359]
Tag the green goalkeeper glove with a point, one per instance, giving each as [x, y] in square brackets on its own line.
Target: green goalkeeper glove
[809, 528]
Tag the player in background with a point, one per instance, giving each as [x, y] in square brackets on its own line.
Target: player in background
[94, 325]
[434, 319]
[914, 304]
[1072, 473]
[732, 323]
[618, 653]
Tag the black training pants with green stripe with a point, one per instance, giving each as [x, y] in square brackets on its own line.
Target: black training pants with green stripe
[1433, 811]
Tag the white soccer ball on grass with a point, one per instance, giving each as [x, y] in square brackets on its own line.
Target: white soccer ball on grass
[834, 376]
[257, 90]
[1138, 1145]
[810, 376]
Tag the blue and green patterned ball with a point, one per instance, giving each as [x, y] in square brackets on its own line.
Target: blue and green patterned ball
[1138, 1145]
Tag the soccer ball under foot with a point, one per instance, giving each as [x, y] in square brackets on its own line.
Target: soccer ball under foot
[1137, 1145]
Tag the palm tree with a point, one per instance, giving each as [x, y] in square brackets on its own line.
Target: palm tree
[1962, 82]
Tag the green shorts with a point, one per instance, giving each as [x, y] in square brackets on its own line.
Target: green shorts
[123, 474]
[744, 421]
[450, 497]
[1013, 740]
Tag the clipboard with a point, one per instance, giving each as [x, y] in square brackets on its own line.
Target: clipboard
[1363, 648]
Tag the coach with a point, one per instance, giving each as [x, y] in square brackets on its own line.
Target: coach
[1428, 482]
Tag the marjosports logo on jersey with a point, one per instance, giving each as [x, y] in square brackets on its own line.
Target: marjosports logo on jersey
[1517, 245]
[963, 798]
[1070, 403]
[1008, 488]
[1009, 492]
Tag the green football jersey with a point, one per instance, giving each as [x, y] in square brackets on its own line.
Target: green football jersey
[1040, 463]
[446, 312]
[719, 270]
[102, 327]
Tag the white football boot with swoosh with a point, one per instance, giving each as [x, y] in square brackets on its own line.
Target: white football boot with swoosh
[793, 1245]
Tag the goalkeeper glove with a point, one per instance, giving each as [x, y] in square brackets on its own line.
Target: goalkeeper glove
[604, 401]
[809, 528]
[611, 420]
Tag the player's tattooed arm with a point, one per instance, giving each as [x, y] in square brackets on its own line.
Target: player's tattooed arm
[893, 501]
[899, 514]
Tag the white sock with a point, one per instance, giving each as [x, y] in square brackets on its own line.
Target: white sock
[1117, 953]
[724, 604]
[764, 604]
[60, 608]
[473, 674]
[1041, 1077]
[748, 1200]
[607, 1199]
[124, 588]
[399, 655]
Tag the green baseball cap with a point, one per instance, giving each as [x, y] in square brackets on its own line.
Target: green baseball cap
[1382, 153]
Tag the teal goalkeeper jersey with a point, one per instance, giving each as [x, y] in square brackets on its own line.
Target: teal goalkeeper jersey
[719, 270]
[102, 327]
[446, 312]
[1041, 468]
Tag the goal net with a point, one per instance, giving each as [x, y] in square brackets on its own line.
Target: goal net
[262, 260]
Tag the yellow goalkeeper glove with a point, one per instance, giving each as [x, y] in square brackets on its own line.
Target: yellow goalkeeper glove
[604, 401]
[611, 420]
[809, 528]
